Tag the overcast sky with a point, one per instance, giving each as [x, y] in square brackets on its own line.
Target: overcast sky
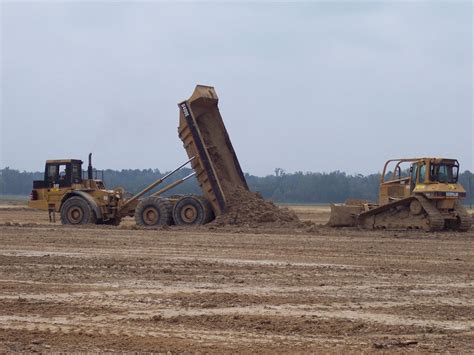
[317, 86]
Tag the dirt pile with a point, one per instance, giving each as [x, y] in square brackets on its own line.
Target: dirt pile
[249, 208]
[244, 208]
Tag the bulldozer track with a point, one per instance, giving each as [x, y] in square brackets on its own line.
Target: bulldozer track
[436, 220]
[431, 222]
[465, 219]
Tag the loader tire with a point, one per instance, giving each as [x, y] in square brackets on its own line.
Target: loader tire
[153, 211]
[75, 210]
[192, 211]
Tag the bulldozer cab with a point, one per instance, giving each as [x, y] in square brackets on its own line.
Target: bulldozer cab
[423, 174]
[60, 174]
[433, 171]
[444, 171]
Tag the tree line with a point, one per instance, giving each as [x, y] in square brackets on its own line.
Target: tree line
[282, 187]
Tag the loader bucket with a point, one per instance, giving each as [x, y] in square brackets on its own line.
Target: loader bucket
[205, 137]
[343, 215]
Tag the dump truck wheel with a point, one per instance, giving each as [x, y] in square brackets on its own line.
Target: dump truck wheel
[76, 210]
[153, 211]
[192, 211]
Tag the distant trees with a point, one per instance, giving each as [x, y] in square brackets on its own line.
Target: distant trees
[14, 182]
[295, 187]
[315, 187]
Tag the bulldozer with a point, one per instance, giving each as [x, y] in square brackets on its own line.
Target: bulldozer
[84, 199]
[426, 196]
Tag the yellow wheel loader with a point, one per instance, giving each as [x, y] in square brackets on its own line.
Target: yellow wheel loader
[78, 200]
[84, 200]
[425, 197]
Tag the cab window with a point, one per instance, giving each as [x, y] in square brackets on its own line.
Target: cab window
[62, 172]
[76, 173]
[444, 173]
[422, 174]
[414, 170]
[52, 173]
[58, 174]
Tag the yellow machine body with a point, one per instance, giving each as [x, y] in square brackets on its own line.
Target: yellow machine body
[63, 179]
[211, 155]
[426, 196]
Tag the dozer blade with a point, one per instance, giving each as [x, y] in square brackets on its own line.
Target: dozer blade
[204, 135]
[343, 215]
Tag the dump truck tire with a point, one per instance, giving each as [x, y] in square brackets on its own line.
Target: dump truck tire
[192, 211]
[76, 210]
[153, 211]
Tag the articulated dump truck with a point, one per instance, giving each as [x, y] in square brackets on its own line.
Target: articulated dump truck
[86, 200]
[426, 196]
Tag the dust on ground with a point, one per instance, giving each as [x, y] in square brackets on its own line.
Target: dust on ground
[232, 289]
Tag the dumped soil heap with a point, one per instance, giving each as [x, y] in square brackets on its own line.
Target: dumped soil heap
[245, 207]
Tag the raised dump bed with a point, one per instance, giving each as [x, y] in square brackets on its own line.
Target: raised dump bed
[205, 138]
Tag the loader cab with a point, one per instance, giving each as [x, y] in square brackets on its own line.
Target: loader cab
[62, 173]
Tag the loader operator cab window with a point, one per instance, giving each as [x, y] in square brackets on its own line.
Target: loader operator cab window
[76, 173]
[51, 173]
[444, 173]
[58, 175]
[62, 173]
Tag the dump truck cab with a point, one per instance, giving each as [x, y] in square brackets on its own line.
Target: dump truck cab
[79, 200]
[60, 176]
[61, 173]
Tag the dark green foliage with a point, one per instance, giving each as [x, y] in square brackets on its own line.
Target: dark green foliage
[315, 187]
[13, 182]
[297, 187]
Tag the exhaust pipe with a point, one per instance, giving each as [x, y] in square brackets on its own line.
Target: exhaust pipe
[89, 168]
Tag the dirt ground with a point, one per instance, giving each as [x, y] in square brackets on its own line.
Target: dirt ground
[232, 290]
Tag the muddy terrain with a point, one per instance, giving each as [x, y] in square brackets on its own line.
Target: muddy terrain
[232, 289]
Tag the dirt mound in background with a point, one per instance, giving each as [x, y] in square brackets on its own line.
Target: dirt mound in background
[249, 208]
